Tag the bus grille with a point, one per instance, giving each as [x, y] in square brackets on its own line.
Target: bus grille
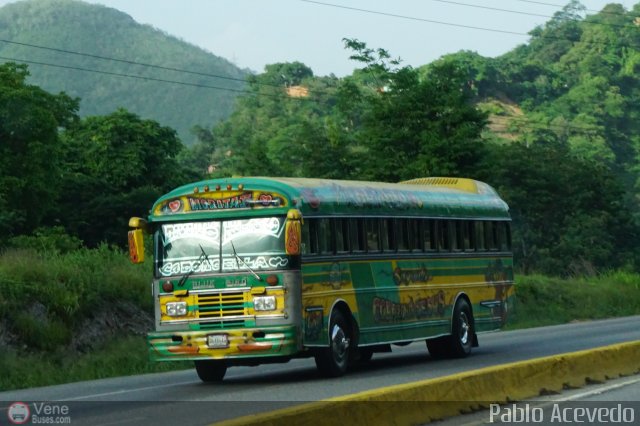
[221, 306]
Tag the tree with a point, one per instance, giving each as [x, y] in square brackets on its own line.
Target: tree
[569, 214]
[413, 125]
[29, 150]
[115, 166]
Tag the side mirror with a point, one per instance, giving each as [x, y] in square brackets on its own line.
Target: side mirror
[293, 232]
[136, 239]
[136, 246]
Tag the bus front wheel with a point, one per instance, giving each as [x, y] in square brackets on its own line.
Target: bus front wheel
[210, 371]
[333, 360]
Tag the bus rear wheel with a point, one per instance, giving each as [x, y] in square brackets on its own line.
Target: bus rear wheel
[459, 343]
[333, 360]
[210, 371]
[462, 330]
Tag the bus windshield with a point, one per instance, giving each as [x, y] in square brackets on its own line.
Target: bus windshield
[216, 246]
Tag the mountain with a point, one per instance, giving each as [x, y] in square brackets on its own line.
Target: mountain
[68, 27]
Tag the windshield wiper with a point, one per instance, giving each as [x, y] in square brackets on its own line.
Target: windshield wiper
[235, 253]
[203, 256]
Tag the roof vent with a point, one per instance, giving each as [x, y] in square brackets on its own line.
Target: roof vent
[462, 184]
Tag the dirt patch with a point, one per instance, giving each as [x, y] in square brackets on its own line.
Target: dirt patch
[124, 319]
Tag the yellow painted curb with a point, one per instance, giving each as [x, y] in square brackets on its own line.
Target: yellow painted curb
[433, 399]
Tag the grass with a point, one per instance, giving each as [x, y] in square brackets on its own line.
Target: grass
[545, 300]
[50, 298]
[120, 357]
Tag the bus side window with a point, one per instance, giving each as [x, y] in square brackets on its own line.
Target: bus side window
[490, 235]
[342, 235]
[324, 236]
[429, 234]
[479, 225]
[312, 227]
[356, 235]
[387, 234]
[503, 236]
[454, 235]
[469, 236]
[402, 234]
[444, 238]
[305, 247]
[414, 231]
[372, 229]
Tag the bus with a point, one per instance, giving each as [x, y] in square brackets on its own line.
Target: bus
[256, 270]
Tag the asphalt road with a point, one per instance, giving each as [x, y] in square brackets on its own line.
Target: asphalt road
[180, 398]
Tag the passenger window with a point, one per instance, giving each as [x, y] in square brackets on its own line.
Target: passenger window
[443, 236]
[468, 237]
[429, 234]
[387, 235]
[480, 236]
[342, 235]
[490, 235]
[454, 235]
[324, 236]
[373, 235]
[305, 247]
[402, 234]
[356, 235]
[414, 232]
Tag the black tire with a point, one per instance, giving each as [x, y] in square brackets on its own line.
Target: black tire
[333, 360]
[459, 343]
[211, 371]
[461, 330]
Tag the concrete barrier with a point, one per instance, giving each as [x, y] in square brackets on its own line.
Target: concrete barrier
[434, 399]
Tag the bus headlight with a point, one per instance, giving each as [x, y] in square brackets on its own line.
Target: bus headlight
[176, 309]
[264, 303]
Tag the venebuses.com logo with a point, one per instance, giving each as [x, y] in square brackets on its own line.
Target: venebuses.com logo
[20, 413]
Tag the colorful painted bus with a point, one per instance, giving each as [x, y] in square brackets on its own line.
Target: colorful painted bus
[257, 270]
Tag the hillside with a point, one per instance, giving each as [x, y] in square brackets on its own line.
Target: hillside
[76, 26]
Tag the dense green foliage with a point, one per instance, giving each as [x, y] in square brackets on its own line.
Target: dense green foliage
[97, 30]
[86, 175]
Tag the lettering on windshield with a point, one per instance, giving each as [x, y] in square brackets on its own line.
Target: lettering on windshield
[252, 228]
[208, 231]
[228, 264]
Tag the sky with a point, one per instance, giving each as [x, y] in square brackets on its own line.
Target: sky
[254, 33]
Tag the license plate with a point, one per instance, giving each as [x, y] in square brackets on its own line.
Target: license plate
[218, 341]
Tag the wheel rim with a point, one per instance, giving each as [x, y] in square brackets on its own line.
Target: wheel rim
[339, 343]
[464, 328]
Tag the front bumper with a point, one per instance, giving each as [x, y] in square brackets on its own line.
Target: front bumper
[242, 344]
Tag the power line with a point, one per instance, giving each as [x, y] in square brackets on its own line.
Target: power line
[130, 62]
[524, 13]
[413, 18]
[495, 30]
[140, 77]
[563, 5]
